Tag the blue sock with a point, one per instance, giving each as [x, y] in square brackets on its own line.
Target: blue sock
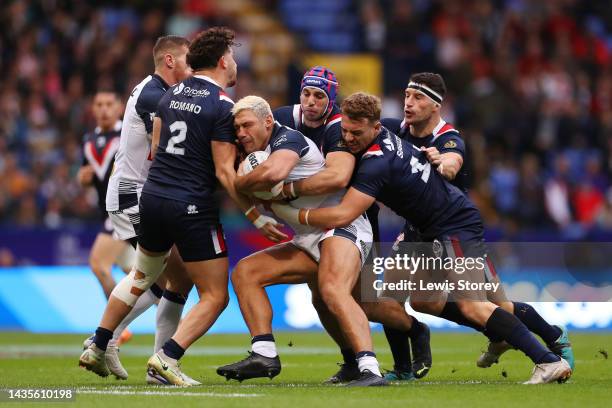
[263, 337]
[535, 323]
[400, 348]
[507, 326]
[349, 356]
[173, 350]
[452, 313]
[102, 337]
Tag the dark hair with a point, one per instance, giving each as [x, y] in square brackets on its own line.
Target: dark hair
[209, 46]
[167, 45]
[361, 105]
[434, 81]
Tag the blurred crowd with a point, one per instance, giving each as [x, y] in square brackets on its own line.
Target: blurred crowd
[529, 86]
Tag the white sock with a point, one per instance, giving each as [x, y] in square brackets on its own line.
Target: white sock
[145, 301]
[368, 363]
[265, 348]
[166, 321]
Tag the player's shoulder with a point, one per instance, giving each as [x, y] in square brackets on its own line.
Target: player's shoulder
[152, 90]
[285, 115]
[89, 136]
[285, 133]
[394, 125]
[334, 119]
[447, 137]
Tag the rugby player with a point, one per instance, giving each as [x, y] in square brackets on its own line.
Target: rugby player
[132, 162]
[99, 148]
[318, 117]
[424, 127]
[398, 174]
[294, 157]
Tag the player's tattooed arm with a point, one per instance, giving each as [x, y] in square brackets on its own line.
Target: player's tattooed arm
[224, 155]
[157, 125]
[275, 169]
[335, 176]
[448, 164]
[353, 205]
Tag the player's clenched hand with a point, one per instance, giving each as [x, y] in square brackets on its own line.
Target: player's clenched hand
[85, 175]
[433, 155]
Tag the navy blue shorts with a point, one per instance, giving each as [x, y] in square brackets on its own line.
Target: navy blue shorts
[165, 222]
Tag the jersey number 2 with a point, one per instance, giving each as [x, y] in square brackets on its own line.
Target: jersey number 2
[417, 166]
[180, 127]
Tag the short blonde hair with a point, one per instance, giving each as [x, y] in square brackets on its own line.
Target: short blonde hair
[257, 104]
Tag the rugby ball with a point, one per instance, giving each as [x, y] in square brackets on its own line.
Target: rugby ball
[250, 163]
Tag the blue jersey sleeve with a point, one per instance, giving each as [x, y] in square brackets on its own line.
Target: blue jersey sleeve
[224, 126]
[332, 140]
[284, 116]
[291, 141]
[392, 124]
[372, 175]
[450, 142]
[146, 105]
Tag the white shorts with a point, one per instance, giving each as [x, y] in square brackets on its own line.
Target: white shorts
[126, 223]
[359, 232]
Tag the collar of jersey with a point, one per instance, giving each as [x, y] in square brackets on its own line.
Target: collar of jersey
[440, 125]
[160, 79]
[209, 79]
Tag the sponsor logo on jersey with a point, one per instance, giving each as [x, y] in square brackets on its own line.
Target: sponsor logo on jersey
[279, 141]
[388, 144]
[192, 209]
[178, 89]
[189, 91]
[450, 144]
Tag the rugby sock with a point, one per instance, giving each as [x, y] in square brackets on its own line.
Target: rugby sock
[349, 357]
[169, 311]
[415, 329]
[400, 348]
[366, 360]
[102, 337]
[156, 290]
[264, 345]
[452, 313]
[173, 350]
[510, 328]
[145, 301]
[535, 323]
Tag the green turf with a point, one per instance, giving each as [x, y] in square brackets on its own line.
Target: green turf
[28, 360]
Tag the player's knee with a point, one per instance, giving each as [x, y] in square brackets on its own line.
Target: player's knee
[217, 301]
[330, 295]
[469, 310]
[147, 270]
[243, 274]
[422, 306]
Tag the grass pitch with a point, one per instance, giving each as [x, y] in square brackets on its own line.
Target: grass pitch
[37, 361]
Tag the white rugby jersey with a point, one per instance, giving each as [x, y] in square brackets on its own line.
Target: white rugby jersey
[133, 159]
[311, 162]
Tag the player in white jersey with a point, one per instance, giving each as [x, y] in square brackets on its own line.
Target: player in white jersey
[132, 163]
[292, 157]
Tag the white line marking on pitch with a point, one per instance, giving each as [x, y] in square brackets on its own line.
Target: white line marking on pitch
[166, 393]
